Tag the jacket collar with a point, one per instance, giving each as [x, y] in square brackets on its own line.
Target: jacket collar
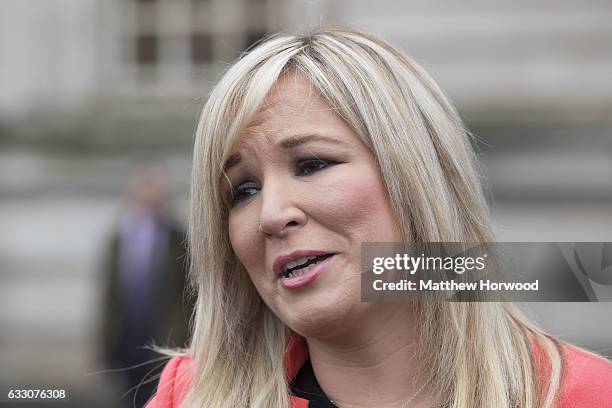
[296, 354]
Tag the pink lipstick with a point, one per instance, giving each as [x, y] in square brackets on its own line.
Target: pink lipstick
[300, 268]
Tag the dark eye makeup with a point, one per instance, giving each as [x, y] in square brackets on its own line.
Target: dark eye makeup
[244, 190]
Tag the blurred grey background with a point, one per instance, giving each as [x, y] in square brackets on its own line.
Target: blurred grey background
[91, 88]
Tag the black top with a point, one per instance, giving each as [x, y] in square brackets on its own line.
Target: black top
[306, 386]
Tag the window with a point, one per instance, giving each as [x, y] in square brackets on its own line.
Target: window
[170, 45]
[201, 48]
[147, 49]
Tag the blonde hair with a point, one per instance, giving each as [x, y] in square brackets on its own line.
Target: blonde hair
[479, 354]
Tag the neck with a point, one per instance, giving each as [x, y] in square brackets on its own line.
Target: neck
[372, 364]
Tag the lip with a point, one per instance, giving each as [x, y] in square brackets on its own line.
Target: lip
[303, 280]
[281, 261]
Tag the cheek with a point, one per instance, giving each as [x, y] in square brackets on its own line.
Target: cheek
[243, 238]
[360, 208]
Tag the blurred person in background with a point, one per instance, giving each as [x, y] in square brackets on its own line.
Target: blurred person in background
[144, 276]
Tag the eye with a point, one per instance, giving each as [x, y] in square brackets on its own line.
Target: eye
[310, 166]
[305, 167]
[242, 192]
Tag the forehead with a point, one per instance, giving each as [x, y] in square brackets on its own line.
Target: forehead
[292, 107]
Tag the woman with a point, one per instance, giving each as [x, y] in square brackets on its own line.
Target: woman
[306, 148]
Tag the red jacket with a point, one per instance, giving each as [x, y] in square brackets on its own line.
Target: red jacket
[588, 381]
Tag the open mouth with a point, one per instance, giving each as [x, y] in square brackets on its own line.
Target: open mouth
[303, 265]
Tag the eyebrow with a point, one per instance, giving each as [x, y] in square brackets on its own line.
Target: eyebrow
[287, 143]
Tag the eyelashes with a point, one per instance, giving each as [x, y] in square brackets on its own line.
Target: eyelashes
[241, 193]
[310, 166]
[303, 168]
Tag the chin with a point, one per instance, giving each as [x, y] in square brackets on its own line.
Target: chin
[318, 321]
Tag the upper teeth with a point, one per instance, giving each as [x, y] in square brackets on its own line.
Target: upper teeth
[297, 262]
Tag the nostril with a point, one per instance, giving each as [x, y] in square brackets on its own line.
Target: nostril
[292, 223]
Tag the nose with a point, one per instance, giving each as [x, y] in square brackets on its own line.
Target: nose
[280, 210]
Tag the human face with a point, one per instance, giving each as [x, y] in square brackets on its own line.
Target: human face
[305, 184]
